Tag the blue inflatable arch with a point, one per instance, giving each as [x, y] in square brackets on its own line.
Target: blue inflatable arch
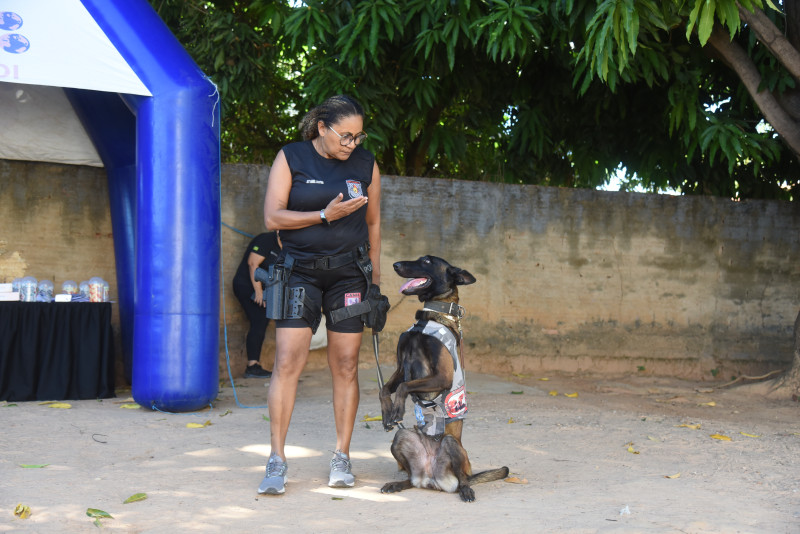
[162, 157]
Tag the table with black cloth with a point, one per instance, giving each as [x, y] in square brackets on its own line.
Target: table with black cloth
[56, 351]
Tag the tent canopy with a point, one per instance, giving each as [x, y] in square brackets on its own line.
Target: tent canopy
[109, 85]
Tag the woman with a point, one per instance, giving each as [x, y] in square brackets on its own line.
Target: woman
[323, 196]
[262, 251]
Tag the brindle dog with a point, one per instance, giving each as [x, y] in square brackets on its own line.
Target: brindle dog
[425, 369]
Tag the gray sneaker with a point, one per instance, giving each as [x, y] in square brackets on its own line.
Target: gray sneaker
[341, 475]
[274, 482]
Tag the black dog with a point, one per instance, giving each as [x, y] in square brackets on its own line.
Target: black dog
[429, 368]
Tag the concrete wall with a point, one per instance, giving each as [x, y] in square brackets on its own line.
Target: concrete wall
[571, 280]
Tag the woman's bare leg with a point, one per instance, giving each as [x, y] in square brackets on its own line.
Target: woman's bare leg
[291, 355]
[343, 362]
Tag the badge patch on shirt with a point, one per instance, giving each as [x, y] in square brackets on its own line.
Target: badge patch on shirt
[354, 188]
[352, 298]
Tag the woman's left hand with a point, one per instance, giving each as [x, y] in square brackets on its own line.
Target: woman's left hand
[336, 209]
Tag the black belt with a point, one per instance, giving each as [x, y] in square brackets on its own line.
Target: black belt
[327, 263]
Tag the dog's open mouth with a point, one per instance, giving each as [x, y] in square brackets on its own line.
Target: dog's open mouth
[414, 283]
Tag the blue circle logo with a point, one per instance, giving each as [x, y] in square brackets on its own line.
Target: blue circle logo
[14, 43]
[10, 21]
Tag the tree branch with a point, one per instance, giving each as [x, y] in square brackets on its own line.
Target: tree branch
[738, 60]
[771, 37]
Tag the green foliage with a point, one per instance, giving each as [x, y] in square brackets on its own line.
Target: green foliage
[555, 92]
[233, 42]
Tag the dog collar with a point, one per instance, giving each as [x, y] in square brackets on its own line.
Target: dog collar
[448, 308]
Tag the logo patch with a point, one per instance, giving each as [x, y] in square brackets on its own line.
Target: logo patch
[456, 403]
[352, 298]
[354, 188]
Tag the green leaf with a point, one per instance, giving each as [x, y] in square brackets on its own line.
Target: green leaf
[94, 512]
[33, 466]
[706, 22]
[135, 498]
[693, 18]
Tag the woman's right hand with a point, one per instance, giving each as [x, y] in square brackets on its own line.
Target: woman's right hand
[258, 298]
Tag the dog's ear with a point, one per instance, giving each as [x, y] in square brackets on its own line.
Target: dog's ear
[462, 277]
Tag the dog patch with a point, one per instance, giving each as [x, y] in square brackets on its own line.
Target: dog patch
[354, 188]
[352, 298]
[456, 403]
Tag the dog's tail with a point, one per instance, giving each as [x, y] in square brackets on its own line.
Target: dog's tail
[489, 476]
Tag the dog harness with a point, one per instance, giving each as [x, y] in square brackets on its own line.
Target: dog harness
[451, 405]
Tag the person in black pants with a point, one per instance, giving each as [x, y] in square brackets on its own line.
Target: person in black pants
[262, 251]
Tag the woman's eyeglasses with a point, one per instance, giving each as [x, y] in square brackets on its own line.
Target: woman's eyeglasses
[346, 139]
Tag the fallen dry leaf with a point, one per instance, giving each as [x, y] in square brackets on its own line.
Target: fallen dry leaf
[720, 437]
[544, 379]
[712, 403]
[515, 480]
[198, 425]
[373, 418]
[750, 435]
[23, 511]
[130, 406]
[676, 475]
[553, 393]
[571, 395]
[511, 420]
[61, 405]
[694, 426]
[651, 438]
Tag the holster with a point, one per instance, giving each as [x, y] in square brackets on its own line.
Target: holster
[276, 281]
[282, 301]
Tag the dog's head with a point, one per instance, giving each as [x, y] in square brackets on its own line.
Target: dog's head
[431, 277]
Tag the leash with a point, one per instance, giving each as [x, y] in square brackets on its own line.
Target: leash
[378, 366]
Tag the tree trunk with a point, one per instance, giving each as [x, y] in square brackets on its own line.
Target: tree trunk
[790, 382]
[738, 60]
[787, 385]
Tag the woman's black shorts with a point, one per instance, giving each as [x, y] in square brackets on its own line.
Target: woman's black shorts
[329, 290]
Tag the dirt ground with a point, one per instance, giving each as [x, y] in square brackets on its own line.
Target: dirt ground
[627, 454]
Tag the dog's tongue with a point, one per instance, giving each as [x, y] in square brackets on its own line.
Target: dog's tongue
[413, 282]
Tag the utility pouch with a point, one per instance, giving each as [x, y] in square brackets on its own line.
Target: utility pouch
[299, 307]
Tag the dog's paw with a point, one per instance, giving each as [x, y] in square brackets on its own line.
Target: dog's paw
[392, 487]
[466, 493]
[396, 416]
[388, 426]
